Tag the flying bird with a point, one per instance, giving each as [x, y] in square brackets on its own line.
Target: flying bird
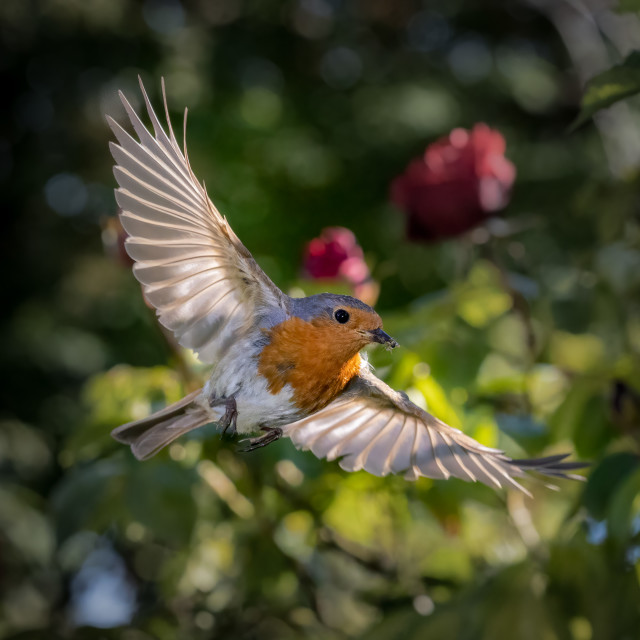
[281, 366]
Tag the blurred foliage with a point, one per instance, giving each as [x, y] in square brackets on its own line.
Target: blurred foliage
[611, 86]
[525, 332]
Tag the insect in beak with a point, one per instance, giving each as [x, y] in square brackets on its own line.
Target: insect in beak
[379, 336]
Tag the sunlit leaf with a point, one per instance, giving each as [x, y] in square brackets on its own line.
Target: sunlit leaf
[364, 512]
[498, 375]
[609, 87]
[579, 353]
[482, 299]
[547, 387]
[117, 396]
[437, 401]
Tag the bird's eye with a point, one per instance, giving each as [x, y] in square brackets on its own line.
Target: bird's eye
[341, 316]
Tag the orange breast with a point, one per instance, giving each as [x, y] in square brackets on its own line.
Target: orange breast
[315, 358]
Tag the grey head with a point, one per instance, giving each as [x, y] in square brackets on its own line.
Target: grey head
[324, 304]
[346, 312]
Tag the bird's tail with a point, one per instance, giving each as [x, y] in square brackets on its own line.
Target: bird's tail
[148, 435]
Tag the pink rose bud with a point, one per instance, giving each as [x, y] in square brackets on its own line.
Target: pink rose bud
[335, 255]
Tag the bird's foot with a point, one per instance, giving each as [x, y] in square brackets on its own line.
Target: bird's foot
[272, 434]
[230, 417]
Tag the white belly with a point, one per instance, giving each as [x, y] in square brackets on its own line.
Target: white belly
[237, 375]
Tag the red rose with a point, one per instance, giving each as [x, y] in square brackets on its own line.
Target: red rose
[460, 180]
[335, 255]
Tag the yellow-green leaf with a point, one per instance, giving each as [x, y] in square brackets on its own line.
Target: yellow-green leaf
[609, 87]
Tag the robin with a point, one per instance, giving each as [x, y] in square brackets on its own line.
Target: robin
[281, 366]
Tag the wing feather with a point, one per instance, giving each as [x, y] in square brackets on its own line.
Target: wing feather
[152, 174]
[143, 251]
[374, 456]
[372, 427]
[150, 211]
[194, 270]
[144, 155]
[481, 472]
[454, 457]
[356, 453]
[160, 145]
[399, 458]
[432, 450]
[151, 274]
[162, 230]
[322, 437]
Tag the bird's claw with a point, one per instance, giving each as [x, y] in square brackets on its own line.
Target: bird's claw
[272, 434]
[230, 418]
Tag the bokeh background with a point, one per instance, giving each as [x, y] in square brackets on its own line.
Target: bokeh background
[524, 332]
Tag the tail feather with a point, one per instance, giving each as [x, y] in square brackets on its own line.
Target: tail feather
[148, 435]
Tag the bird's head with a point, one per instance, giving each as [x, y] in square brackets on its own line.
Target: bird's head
[344, 319]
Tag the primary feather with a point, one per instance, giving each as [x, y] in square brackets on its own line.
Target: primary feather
[204, 283]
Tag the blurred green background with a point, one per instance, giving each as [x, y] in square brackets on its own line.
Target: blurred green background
[525, 334]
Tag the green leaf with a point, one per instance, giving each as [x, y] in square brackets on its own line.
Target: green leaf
[566, 420]
[628, 6]
[605, 480]
[584, 416]
[88, 497]
[482, 298]
[594, 431]
[524, 429]
[624, 507]
[26, 530]
[609, 87]
[159, 496]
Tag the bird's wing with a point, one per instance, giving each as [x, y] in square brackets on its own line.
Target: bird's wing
[204, 283]
[370, 426]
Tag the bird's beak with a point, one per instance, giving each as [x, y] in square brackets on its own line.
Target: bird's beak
[379, 336]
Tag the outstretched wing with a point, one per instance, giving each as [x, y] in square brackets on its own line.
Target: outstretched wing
[204, 283]
[370, 426]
